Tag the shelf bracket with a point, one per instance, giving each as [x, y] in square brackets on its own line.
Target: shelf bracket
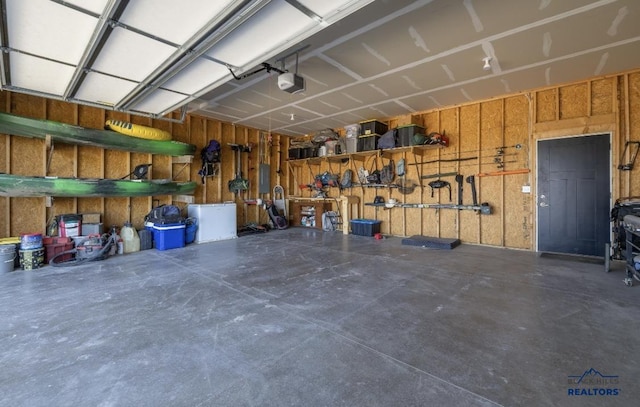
[49, 145]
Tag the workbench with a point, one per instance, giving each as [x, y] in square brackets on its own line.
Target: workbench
[347, 206]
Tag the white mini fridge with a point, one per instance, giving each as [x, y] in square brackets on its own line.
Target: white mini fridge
[215, 221]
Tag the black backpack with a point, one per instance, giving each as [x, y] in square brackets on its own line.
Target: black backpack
[210, 156]
[388, 139]
[347, 179]
[164, 214]
[387, 173]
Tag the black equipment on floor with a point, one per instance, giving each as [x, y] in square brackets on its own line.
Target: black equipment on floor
[279, 221]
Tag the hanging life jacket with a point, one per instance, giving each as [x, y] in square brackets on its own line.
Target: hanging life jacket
[210, 156]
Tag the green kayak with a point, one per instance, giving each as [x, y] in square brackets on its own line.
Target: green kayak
[23, 186]
[69, 134]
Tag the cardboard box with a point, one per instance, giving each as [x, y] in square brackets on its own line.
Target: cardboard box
[93, 217]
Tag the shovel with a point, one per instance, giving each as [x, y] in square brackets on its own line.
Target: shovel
[238, 183]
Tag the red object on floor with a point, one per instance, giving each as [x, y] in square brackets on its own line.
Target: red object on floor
[54, 249]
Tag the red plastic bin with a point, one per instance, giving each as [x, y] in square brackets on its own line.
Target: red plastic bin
[51, 250]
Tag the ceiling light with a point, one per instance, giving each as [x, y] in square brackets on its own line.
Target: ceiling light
[293, 117]
[487, 65]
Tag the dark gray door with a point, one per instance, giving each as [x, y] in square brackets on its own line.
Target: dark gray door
[573, 195]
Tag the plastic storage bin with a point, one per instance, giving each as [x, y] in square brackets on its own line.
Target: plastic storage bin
[70, 225]
[352, 144]
[372, 127]
[52, 250]
[92, 228]
[308, 152]
[406, 133]
[368, 143]
[365, 227]
[294, 153]
[352, 131]
[169, 236]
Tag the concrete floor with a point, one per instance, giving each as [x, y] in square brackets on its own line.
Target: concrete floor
[305, 318]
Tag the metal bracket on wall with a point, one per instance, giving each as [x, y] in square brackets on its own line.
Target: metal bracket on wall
[50, 146]
[634, 155]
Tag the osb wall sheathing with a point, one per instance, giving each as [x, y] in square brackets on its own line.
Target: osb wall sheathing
[602, 105]
[503, 134]
[25, 156]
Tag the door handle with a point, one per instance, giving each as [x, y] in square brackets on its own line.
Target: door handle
[544, 204]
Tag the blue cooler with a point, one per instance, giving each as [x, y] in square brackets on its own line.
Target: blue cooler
[169, 236]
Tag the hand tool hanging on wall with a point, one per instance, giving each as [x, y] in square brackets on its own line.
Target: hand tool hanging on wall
[437, 184]
[634, 155]
[264, 167]
[279, 170]
[449, 160]
[238, 183]
[459, 181]
[509, 172]
[444, 174]
[471, 180]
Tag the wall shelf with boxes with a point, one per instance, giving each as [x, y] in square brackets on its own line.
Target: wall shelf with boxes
[363, 155]
[361, 141]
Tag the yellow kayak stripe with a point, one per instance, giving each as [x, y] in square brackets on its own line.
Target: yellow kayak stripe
[136, 130]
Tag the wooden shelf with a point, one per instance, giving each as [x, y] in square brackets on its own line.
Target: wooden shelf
[420, 150]
[314, 160]
[342, 158]
[363, 155]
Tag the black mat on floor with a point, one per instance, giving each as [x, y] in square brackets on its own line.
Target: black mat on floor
[432, 242]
